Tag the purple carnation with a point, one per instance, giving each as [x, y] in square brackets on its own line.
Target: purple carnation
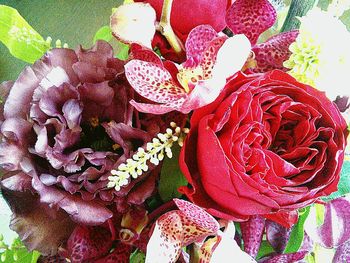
[65, 123]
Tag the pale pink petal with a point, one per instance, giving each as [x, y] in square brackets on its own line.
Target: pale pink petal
[166, 240]
[151, 108]
[251, 17]
[197, 41]
[197, 224]
[153, 82]
[271, 54]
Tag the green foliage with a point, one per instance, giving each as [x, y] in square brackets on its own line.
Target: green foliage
[137, 257]
[265, 249]
[343, 185]
[297, 235]
[122, 51]
[16, 252]
[19, 37]
[104, 33]
[171, 177]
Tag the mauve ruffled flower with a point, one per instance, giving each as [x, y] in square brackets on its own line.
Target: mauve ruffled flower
[66, 122]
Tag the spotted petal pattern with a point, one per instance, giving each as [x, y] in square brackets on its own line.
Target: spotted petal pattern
[198, 40]
[177, 229]
[250, 17]
[153, 82]
[272, 53]
[252, 232]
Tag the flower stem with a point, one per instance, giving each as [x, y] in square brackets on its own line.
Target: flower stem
[298, 8]
[165, 28]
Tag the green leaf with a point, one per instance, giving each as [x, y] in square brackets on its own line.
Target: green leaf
[122, 51]
[137, 257]
[17, 252]
[265, 249]
[320, 211]
[171, 177]
[297, 235]
[104, 33]
[343, 185]
[19, 37]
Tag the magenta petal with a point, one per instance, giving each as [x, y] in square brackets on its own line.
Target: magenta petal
[251, 17]
[293, 257]
[335, 229]
[277, 235]
[197, 41]
[342, 253]
[272, 53]
[252, 232]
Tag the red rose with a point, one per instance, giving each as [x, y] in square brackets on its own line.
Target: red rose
[266, 146]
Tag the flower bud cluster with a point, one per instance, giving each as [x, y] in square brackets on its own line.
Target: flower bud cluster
[154, 153]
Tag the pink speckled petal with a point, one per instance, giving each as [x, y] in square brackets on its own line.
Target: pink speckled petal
[153, 82]
[271, 54]
[251, 17]
[197, 223]
[166, 240]
[197, 41]
[151, 108]
[252, 232]
[209, 56]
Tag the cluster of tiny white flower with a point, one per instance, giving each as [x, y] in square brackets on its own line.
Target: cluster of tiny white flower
[154, 153]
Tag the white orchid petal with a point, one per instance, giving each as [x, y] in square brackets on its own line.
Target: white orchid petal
[232, 56]
[228, 248]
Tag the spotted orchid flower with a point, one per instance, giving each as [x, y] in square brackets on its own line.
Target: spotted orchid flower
[191, 224]
[252, 18]
[211, 59]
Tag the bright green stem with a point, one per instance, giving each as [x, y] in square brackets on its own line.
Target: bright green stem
[298, 8]
[166, 29]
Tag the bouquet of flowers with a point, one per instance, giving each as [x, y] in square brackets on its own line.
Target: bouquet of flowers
[216, 132]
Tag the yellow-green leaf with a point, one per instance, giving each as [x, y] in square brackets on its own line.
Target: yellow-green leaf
[19, 37]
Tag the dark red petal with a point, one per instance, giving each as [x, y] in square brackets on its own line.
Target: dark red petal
[142, 53]
[251, 17]
[39, 226]
[88, 243]
[272, 53]
[252, 232]
[120, 254]
[286, 219]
